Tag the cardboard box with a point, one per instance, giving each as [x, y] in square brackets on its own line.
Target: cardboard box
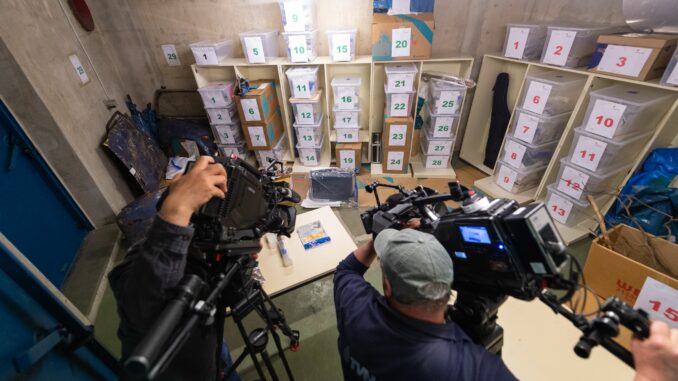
[397, 133]
[633, 55]
[263, 136]
[609, 273]
[259, 104]
[396, 160]
[349, 155]
[419, 27]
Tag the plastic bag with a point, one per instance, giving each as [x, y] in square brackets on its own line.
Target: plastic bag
[331, 186]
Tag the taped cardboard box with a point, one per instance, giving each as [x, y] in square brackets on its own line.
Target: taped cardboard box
[349, 155]
[398, 133]
[402, 37]
[396, 160]
[259, 104]
[633, 55]
[263, 136]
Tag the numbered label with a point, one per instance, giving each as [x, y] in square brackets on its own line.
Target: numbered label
[255, 50]
[345, 119]
[298, 48]
[506, 178]
[401, 40]
[399, 104]
[514, 153]
[309, 157]
[536, 97]
[395, 161]
[624, 60]
[442, 127]
[302, 88]
[347, 159]
[347, 99]
[257, 136]
[439, 147]
[347, 135]
[397, 135]
[672, 79]
[605, 117]
[305, 114]
[205, 56]
[79, 69]
[219, 115]
[436, 162]
[559, 207]
[526, 127]
[399, 82]
[341, 47]
[588, 152]
[559, 46]
[573, 182]
[250, 109]
[171, 56]
[447, 103]
[307, 137]
[660, 301]
[515, 44]
[294, 16]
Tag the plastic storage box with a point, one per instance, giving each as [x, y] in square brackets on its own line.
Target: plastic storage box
[310, 156]
[220, 115]
[573, 46]
[538, 129]
[622, 109]
[578, 182]
[519, 154]
[227, 150]
[348, 134]
[260, 47]
[441, 126]
[565, 209]
[599, 154]
[217, 94]
[435, 146]
[342, 44]
[211, 52]
[307, 110]
[266, 157]
[298, 15]
[524, 41]
[346, 118]
[303, 81]
[400, 77]
[435, 161]
[670, 77]
[446, 97]
[346, 91]
[552, 92]
[399, 104]
[301, 46]
[227, 134]
[309, 135]
[518, 180]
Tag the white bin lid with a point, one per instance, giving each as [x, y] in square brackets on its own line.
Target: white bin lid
[314, 99]
[347, 80]
[314, 32]
[263, 33]
[342, 31]
[557, 77]
[635, 95]
[217, 86]
[302, 71]
[210, 43]
[401, 68]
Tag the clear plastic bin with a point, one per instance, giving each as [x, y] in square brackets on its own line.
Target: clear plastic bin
[524, 41]
[303, 81]
[298, 15]
[228, 150]
[435, 146]
[348, 134]
[310, 156]
[538, 129]
[599, 154]
[260, 47]
[342, 44]
[399, 104]
[266, 157]
[346, 91]
[227, 134]
[441, 126]
[578, 182]
[309, 110]
[301, 46]
[565, 209]
[211, 52]
[217, 94]
[400, 77]
[309, 135]
[435, 161]
[518, 180]
[670, 77]
[552, 92]
[519, 154]
[622, 109]
[446, 97]
[346, 118]
[558, 51]
[220, 115]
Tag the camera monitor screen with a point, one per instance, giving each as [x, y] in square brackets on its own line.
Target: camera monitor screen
[475, 234]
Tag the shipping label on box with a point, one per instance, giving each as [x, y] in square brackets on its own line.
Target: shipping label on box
[396, 160]
[633, 55]
[398, 132]
[264, 136]
[349, 156]
[402, 37]
[259, 104]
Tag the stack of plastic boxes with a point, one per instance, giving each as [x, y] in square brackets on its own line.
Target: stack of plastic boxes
[440, 130]
[619, 122]
[400, 97]
[346, 109]
[307, 108]
[547, 102]
[301, 37]
[223, 117]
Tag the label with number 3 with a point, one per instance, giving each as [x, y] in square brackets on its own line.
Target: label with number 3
[624, 60]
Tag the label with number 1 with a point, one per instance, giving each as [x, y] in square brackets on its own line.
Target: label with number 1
[515, 44]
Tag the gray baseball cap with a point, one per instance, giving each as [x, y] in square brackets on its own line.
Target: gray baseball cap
[412, 260]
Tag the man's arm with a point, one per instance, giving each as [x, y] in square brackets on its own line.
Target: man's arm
[656, 358]
[349, 283]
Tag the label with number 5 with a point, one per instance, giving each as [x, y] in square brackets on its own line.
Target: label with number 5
[588, 152]
[537, 96]
[559, 46]
[559, 207]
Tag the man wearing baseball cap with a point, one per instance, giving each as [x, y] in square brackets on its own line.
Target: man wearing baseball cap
[403, 335]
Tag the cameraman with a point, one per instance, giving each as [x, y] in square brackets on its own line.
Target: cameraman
[145, 280]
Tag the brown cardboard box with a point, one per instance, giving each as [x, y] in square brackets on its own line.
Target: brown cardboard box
[349, 155]
[421, 28]
[398, 159]
[397, 131]
[662, 47]
[266, 134]
[260, 103]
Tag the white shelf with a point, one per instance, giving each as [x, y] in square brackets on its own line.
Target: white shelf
[488, 186]
[419, 171]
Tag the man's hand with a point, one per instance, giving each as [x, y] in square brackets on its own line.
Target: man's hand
[365, 254]
[656, 358]
[189, 192]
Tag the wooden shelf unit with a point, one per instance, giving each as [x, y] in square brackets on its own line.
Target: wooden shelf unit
[477, 130]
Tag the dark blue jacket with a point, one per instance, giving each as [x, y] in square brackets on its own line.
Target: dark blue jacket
[378, 343]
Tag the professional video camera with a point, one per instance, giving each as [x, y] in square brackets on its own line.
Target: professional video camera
[227, 232]
[500, 249]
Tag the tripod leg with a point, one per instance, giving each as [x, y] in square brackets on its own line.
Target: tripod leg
[269, 365]
[281, 353]
[250, 349]
[236, 363]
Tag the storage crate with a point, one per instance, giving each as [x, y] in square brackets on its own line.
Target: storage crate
[260, 47]
[524, 41]
[346, 118]
[599, 154]
[573, 46]
[399, 104]
[346, 91]
[266, 157]
[301, 46]
[307, 110]
[400, 77]
[520, 155]
[445, 97]
[518, 180]
[441, 126]
[309, 135]
[670, 77]
[435, 146]
[303, 81]
[551, 92]
[538, 129]
[222, 115]
[565, 209]
[342, 44]
[227, 134]
[217, 94]
[212, 52]
[348, 134]
[310, 156]
[578, 182]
